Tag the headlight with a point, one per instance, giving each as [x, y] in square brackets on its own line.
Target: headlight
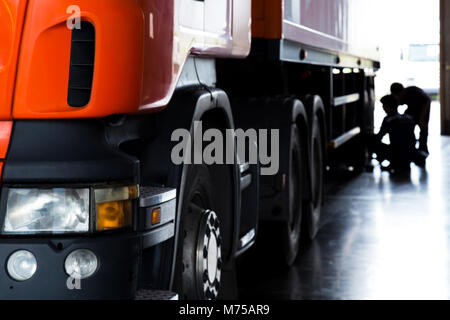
[47, 211]
[81, 264]
[21, 265]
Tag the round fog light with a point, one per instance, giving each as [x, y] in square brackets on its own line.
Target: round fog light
[81, 264]
[21, 265]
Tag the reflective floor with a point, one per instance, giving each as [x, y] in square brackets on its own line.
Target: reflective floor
[382, 238]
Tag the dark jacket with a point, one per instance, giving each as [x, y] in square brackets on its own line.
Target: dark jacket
[401, 135]
[415, 99]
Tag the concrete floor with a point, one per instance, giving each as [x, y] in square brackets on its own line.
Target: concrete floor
[382, 238]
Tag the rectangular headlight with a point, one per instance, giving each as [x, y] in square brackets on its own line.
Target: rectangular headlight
[57, 210]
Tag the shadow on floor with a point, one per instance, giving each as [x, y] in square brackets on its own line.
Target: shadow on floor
[382, 237]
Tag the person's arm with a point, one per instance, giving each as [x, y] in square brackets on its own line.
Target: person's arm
[383, 130]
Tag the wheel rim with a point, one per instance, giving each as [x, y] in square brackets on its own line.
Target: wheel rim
[209, 255]
[200, 245]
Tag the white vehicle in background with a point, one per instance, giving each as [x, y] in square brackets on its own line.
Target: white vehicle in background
[421, 67]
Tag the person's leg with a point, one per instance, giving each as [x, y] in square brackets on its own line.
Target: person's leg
[396, 163]
[383, 152]
[399, 162]
[419, 158]
[423, 139]
[378, 148]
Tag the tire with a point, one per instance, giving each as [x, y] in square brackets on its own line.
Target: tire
[317, 179]
[199, 255]
[289, 232]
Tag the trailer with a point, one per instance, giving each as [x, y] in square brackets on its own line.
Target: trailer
[95, 98]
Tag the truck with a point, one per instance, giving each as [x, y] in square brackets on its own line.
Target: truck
[420, 67]
[95, 98]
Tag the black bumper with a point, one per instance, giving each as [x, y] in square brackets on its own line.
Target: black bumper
[116, 276]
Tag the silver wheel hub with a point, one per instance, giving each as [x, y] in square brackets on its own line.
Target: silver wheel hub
[209, 258]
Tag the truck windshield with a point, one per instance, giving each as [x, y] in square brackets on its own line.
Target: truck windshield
[424, 52]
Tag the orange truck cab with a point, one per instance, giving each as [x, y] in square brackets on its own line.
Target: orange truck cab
[92, 205]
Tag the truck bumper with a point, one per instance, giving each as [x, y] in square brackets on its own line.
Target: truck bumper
[115, 278]
[83, 153]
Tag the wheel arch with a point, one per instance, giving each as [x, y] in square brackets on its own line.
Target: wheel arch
[189, 104]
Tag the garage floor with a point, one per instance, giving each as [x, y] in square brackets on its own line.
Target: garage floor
[382, 238]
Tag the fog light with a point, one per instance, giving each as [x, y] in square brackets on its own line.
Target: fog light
[81, 264]
[21, 265]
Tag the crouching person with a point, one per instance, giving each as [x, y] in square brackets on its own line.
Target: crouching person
[401, 151]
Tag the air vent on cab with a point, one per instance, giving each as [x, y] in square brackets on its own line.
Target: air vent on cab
[81, 71]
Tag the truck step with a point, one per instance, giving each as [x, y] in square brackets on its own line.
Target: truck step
[145, 294]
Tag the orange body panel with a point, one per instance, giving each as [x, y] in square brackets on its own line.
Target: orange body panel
[267, 16]
[43, 72]
[11, 21]
[141, 48]
[5, 135]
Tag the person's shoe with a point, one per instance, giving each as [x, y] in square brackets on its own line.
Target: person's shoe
[423, 150]
[421, 163]
[421, 158]
[397, 169]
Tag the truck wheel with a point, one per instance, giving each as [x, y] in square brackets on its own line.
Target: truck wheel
[317, 172]
[199, 253]
[289, 231]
